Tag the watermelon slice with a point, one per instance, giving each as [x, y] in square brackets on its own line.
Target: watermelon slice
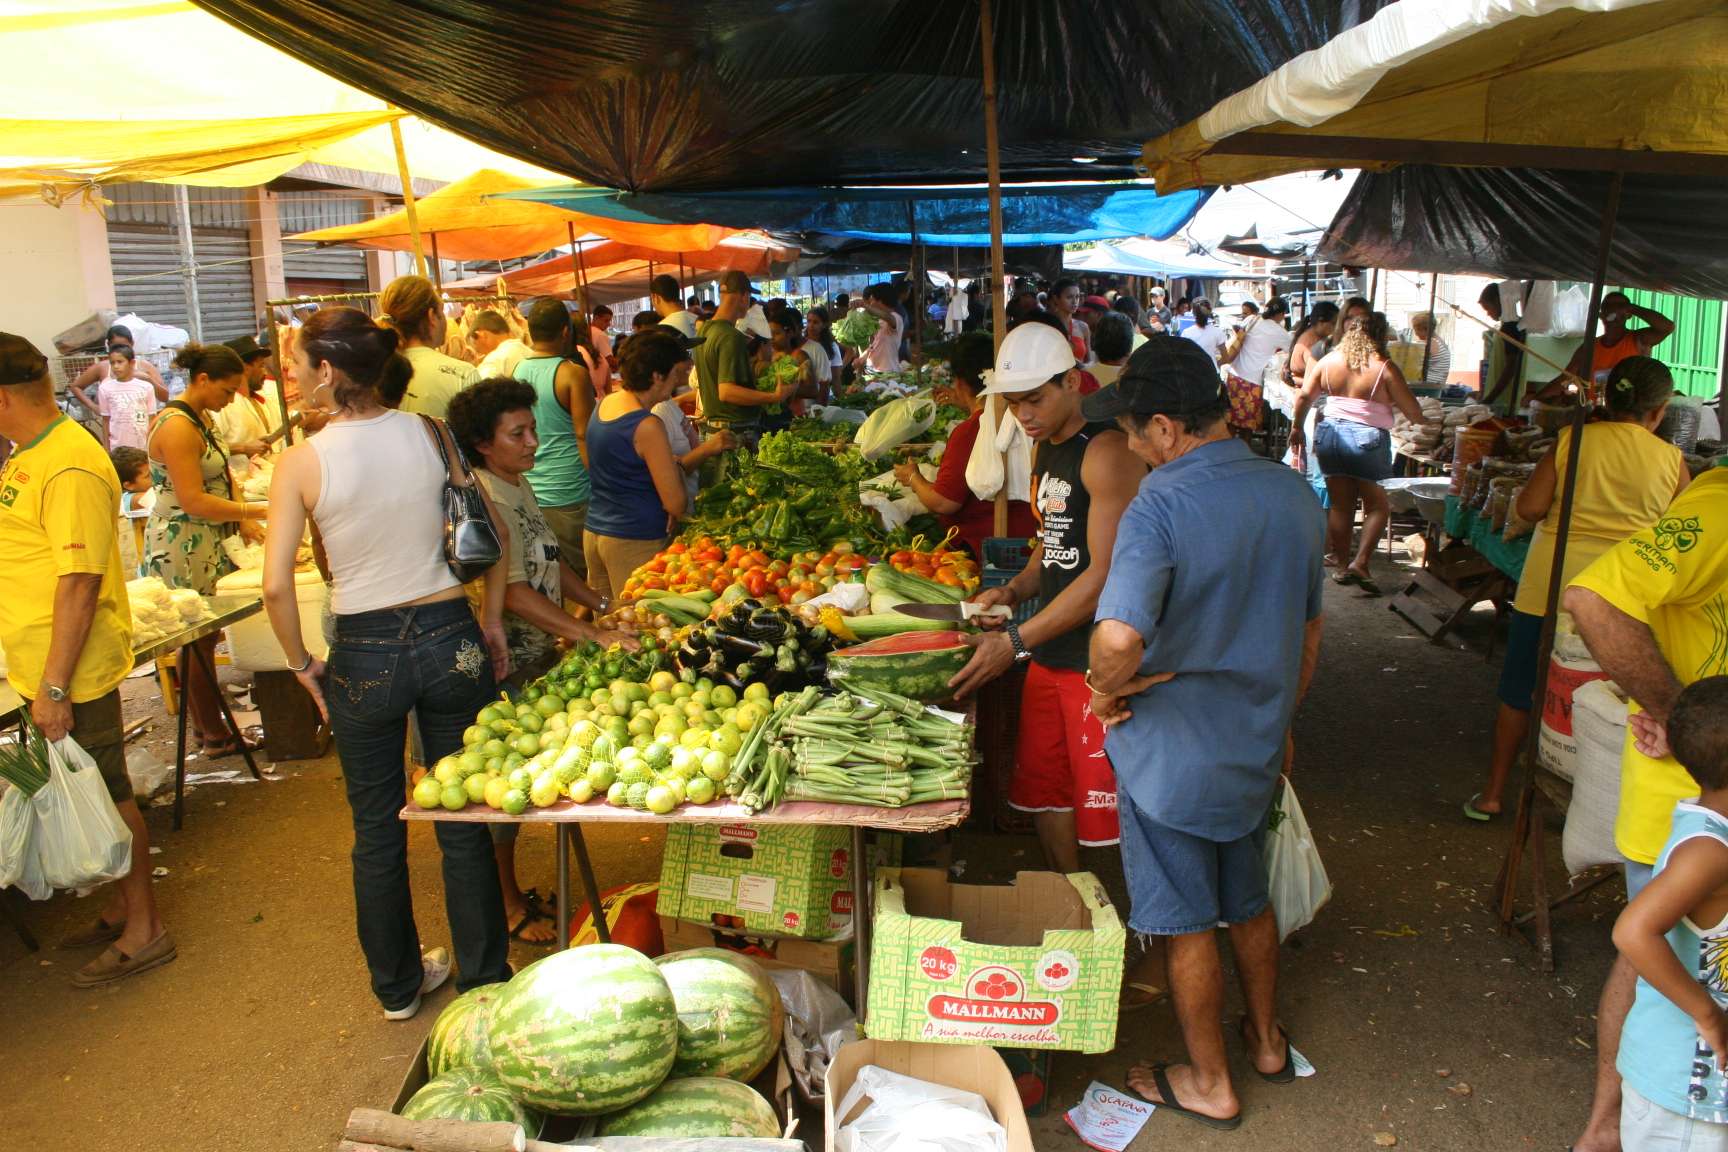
[915, 664]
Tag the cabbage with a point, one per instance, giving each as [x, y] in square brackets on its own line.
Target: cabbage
[857, 328]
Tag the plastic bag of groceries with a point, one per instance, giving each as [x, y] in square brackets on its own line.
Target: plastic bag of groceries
[895, 423]
[1296, 878]
[20, 864]
[80, 837]
[908, 1115]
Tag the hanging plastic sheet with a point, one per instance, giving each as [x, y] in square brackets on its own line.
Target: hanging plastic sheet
[1042, 214]
[1672, 234]
[688, 94]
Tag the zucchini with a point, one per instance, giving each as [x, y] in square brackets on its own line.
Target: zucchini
[884, 577]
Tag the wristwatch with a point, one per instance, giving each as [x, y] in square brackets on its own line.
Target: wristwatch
[55, 693]
[605, 606]
[1021, 655]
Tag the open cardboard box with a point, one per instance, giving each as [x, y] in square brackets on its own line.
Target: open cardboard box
[972, 1068]
[1034, 964]
[830, 961]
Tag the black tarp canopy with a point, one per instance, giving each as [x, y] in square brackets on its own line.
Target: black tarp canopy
[664, 95]
[1671, 236]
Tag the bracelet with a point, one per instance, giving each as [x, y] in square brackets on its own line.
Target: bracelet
[303, 666]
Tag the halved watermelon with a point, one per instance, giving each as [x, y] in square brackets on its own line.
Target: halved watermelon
[915, 664]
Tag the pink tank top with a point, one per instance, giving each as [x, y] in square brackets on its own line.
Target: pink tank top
[1372, 412]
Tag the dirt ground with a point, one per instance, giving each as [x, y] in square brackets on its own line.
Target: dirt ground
[1423, 1021]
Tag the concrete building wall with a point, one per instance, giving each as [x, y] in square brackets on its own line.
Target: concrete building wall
[56, 268]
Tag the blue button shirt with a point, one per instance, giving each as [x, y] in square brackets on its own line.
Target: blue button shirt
[1218, 568]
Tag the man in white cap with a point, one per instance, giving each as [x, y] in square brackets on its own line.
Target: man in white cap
[1083, 476]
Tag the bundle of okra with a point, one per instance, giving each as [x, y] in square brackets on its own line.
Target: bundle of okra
[878, 749]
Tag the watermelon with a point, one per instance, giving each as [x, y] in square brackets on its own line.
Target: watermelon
[467, 1094]
[459, 1036]
[729, 1013]
[704, 1106]
[585, 1031]
[915, 664]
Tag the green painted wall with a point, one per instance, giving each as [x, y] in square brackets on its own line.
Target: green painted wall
[1694, 352]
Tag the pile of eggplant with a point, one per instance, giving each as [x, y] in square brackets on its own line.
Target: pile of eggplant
[754, 643]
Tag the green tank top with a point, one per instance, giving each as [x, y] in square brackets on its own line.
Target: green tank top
[558, 477]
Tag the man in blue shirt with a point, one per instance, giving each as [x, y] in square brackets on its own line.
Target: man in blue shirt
[1207, 633]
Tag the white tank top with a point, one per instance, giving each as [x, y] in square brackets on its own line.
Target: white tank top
[381, 513]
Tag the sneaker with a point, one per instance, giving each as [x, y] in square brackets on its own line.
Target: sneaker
[436, 968]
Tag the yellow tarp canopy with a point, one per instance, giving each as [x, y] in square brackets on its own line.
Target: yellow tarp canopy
[1496, 83]
[617, 271]
[100, 91]
[470, 227]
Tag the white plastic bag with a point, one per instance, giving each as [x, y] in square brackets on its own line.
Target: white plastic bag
[895, 423]
[1539, 307]
[20, 864]
[1294, 874]
[79, 834]
[1571, 309]
[818, 1023]
[908, 1115]
[984, 468]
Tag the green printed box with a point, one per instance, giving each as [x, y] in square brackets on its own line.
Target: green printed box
[1035, 964]
[782, 879]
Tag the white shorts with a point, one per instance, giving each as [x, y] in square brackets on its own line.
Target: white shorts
[1647, 1127]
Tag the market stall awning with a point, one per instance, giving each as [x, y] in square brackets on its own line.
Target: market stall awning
[471, 227]
[1163, 260]
[1672, 234]
[101, 91]
[1578, 84]
[960, 216]
[685, 94]
[606, 264]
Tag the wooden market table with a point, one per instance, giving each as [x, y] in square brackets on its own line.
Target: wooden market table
[568, 817]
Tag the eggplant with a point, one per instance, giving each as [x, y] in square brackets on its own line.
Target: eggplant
[741, 646]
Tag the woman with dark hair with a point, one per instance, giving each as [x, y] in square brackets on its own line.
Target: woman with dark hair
[1063, 302]
[824, 353]
[949, 496]
[787, 361]
[1627, 477]
[194, 508]
[119, 336]
[1204, 332]
[1353, 440]
[411, 306]
[638, 487]
[1309, 341]
[405, 641]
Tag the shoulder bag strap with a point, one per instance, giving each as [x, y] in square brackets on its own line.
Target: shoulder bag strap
[454, 462]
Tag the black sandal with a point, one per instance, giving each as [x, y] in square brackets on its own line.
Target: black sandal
[1168, 1103]
[1285, 1074]
[529, 916]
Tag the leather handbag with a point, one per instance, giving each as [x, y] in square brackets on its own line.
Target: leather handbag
[471, 543]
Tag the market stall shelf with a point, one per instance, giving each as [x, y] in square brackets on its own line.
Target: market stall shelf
[569, 818]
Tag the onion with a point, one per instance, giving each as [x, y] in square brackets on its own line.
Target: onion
[664, 635]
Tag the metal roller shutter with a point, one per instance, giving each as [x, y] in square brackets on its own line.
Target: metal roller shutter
[147, 278]
[324, 264]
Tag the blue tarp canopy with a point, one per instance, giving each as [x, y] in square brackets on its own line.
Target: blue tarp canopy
[1148, 258]
[1031, 214]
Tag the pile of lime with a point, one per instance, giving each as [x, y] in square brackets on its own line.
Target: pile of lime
[651, 746]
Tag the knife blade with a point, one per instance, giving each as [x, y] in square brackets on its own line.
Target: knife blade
[957, 613]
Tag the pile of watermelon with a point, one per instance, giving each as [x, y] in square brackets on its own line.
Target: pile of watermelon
[654, 1048]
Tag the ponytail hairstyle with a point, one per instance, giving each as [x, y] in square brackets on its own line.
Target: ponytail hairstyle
[407, 305]
[1324, 312]
[217, 361]
[1364, 339]
[366, 366]
[1638, 386]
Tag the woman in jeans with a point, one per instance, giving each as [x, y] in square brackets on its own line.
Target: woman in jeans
[1353, 441]
[638, 489]
[406, 640]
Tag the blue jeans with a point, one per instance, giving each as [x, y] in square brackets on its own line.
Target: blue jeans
[1179, 883]
[1355, 451]
[429, 660]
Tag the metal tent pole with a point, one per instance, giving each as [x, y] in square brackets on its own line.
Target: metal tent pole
[1521, 825]
[998, 279]
[408, 195]
[188, 262]
[1428, 344]
[437, 266]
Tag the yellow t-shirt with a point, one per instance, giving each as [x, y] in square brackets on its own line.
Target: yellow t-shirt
[1674, 578]
[1626, 478]
[59, 511]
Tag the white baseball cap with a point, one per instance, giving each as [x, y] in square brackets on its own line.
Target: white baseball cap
[755, 323]
[1030, 355]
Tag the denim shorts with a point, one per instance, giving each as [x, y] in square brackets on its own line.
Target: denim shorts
[1518, 671]
[1180, 883]
[1353, 451]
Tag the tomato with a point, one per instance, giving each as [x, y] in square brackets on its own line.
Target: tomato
[720, 584]
[756, 582]
[949, 577]
[710, 555]
[786, 594]
[779, 567]
[678, 548]
[900, 557]
[809, 586]
[759, 558]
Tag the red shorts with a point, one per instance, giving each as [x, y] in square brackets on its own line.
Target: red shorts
[1060, 765]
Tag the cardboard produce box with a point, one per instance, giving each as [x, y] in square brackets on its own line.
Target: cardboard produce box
[1035, 964]
[972, 1068]
[830, 961]
[787, 880]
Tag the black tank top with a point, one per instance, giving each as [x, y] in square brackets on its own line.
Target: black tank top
[1062, 504]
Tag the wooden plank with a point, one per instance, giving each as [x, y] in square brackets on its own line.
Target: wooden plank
[931, 817]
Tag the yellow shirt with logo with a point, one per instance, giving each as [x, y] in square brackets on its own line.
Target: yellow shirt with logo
[1673, 578]
[59, 508]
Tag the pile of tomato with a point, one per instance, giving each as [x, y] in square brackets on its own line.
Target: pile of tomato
[953, 568]
[691, 566]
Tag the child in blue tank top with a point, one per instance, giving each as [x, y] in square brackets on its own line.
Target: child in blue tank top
[1674, 1050]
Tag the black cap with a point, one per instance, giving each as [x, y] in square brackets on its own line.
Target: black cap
[246, 347]
[664, 329]
[1167, 376]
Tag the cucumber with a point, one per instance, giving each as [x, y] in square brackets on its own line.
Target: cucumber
[683, 605]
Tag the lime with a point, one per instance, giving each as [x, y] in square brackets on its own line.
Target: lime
[475, 787]
[636, 692]
[703, 684]
[496, 787]
[585, 732]
[475, 734]
[453, 797]
[682, 691]
[528, 743]
[637, 795]
[684, 761]
[756, 691]
[557, 722]
[658, 700]
[694, 737]
[619, 729]
[549, 704]
[551, 741]
[658, 755]
[601, 775]
[515, 802]
[493, 713]
[580, 790]
[545, 792]
[640, 725]
[429, 792]
[530, 694]
[658, 800]
[512, 761]
[723, 696]
[447, 771]
[725, 739]
[494, 747]
[749, 715]
[521, 779]
[675, 785]
[700, 790]
[620, 704]
[531, 722]
[618, 794]
[716, 765]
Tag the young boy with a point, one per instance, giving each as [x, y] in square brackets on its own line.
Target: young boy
[137, 497]
[1674, 1050]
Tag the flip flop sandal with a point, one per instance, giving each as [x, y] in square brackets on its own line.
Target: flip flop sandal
[1471, 812]
[1366, 583]
[1285, 1074]
[1168, 1103]
[537, 902]
[532, 917]
[227, 748]
[1153, 994]
[1345, 578]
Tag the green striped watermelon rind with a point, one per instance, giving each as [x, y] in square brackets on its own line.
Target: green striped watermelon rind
[467, 1094]
[459, 1037]
[585, 1031]
[720, 1035]
[702, 1106]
